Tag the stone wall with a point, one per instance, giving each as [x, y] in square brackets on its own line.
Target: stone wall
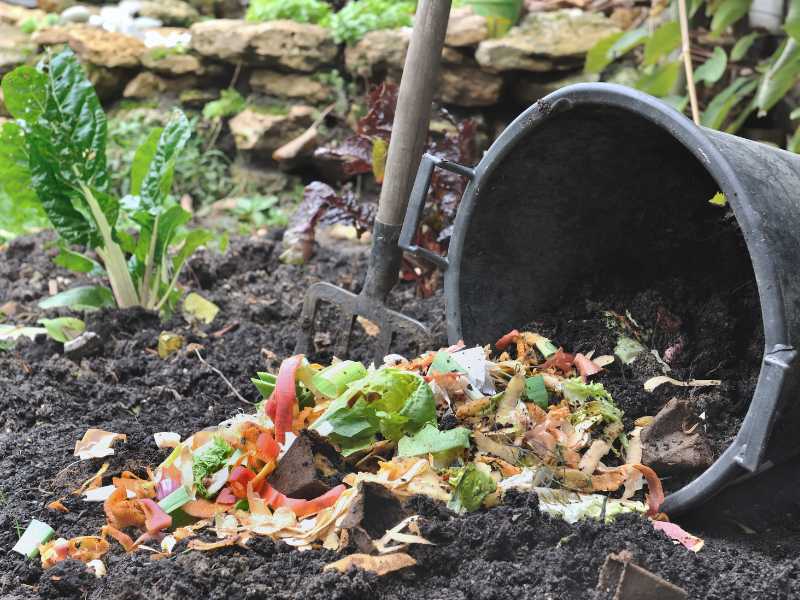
[162, 49]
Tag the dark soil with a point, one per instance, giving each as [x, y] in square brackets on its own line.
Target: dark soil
[48, 401]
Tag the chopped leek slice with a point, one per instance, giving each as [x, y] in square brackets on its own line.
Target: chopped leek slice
[176, 499]
[36, 533]
[546, 347]
[264, 386]
[332, 381]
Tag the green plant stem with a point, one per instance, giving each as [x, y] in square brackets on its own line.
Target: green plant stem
[170, 287]
[145, 291]
[113, 257]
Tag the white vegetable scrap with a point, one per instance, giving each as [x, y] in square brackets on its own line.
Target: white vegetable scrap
[97, 443]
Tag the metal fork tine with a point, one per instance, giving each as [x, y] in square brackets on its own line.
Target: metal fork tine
[385, 338]
[343, 337]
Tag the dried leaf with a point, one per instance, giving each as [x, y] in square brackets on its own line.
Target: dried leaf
[380, 565]
[208, 546]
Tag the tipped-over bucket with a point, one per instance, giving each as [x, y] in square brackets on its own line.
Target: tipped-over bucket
[597, 187]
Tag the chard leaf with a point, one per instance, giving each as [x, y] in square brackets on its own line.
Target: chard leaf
[67, 146]
[88, 297]
[25, 93]
[193, 240]
[473, 487]
[743, 45]
[157, 181]
[15, 181]
[142, 159]
[627, 42]
[63, 329]
[780, 78]
[720, 107]
[429, 440]
[77, 262]
[168, 223]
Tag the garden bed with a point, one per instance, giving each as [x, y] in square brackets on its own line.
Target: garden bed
[511, 551]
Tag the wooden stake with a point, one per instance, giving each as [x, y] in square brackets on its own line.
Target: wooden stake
[686, 50]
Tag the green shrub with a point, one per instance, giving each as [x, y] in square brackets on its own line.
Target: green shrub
[302, 11]
[360, 17]
[230, 103]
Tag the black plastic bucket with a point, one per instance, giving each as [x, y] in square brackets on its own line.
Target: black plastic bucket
[590, 183]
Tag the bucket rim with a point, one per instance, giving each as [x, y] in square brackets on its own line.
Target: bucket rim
[756, 425]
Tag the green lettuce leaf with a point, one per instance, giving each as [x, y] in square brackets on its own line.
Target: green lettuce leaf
[473, 487]
[536, 392]
[443, 362]
[208, 459]
[332, 381]
[387, 401]
[429, 440]
[590, 399]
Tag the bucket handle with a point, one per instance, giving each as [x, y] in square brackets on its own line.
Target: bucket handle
[416, 203]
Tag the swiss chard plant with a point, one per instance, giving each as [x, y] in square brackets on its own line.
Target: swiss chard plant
[56, 149]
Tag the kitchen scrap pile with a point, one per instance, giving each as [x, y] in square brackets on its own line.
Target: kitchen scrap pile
[460, 425]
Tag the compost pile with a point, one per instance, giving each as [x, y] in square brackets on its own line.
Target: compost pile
[531, 422]
[370, 474]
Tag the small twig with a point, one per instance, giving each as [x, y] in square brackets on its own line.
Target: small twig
[686, 50]
[227, 329]
[225, 379]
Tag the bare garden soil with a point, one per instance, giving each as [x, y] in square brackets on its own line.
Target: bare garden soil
[510, 552]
